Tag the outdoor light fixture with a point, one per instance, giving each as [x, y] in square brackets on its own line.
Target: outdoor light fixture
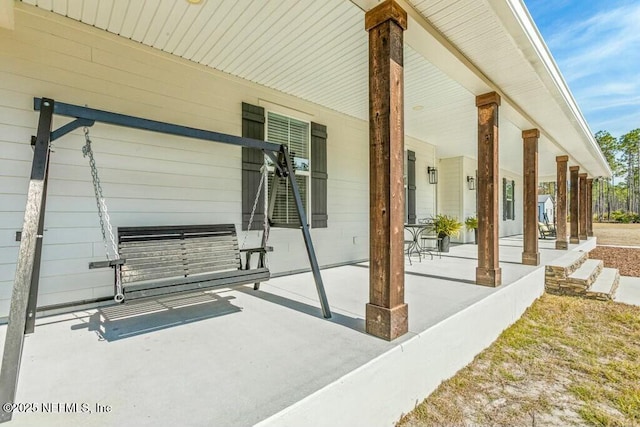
[433, 175]
[471, 182]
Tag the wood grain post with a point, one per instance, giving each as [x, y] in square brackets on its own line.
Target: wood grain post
[561, 202]
[590, 207]
[574, 201]
[530, 254]
[386, 312]
[583, 208]
[488, 272]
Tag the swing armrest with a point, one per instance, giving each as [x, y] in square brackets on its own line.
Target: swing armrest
[110, 263]
[252, 250]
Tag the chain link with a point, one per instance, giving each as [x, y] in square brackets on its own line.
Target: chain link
[255, 202]
[103, 215]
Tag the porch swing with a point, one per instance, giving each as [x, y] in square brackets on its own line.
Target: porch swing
[22, 312]
[159, 260]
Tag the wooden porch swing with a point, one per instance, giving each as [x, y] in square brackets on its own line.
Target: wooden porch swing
[215, 241]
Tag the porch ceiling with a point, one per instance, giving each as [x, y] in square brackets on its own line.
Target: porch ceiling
[317, 51]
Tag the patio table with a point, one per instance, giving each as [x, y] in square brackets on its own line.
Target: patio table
[414, 245]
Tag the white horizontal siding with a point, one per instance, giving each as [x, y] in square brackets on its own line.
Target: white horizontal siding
[147, 178]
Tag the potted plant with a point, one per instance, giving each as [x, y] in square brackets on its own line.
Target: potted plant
[472, 224]
[446, 226]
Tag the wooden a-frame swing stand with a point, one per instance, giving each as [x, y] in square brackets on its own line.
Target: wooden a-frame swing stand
[22, 313]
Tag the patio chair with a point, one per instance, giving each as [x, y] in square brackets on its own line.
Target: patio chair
[546, 231]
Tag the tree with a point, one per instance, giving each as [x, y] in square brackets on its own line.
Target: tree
[630, 147]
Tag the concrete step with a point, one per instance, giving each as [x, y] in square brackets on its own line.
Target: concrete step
[566, 265]
[605, 286]
[586, 274]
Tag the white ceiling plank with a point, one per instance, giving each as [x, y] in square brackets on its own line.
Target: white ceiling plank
[45, 4]
[103, 15]
[157, 23]
[272, 38]
[224, 18]
[293, 28]
[143, 24]
[132, 18]
[60, 7]
[174, 19]
[89, 12]
[235, 32]
[316, 29]
[335, 41]
[118, 14]
[197, 27]
[254, 39]
[74, 9]
[186, 25]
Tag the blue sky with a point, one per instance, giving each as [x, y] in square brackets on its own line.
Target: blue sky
[596, 44]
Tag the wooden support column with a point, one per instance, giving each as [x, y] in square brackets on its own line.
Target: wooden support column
[561, 202]
[590, 207]
[583, 208]
[488, 272]
[530, 255]
[574, 201]
[386, 312]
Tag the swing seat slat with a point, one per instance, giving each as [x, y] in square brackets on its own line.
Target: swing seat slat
[160, 260]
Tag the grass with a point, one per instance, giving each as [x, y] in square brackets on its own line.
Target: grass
[567, 361]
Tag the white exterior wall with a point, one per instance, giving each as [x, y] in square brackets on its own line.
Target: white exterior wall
[425, 192]
[455, 198]
[514, 226]
[151, 178]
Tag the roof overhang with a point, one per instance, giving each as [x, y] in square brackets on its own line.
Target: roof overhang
[317, 51]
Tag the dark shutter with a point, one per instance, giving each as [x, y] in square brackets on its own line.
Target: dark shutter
[252, 161]
[513, 200]
[505, 205]
[411, 187]
[318, 176]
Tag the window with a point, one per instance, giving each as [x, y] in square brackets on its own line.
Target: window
[508, 198]
[296, 135]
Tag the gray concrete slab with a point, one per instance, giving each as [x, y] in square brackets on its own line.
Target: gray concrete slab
[230, 357]
[628, 291]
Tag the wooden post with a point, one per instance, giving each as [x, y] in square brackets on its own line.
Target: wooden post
[590, 207]
[561, 202]
[386, 312]
[583, 208]
[574, 200]
[488, 272]
[530, 255]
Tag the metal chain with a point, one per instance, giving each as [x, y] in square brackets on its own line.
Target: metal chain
[255, 202]
[103, 211]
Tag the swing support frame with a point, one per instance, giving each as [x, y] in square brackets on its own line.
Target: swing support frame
[22, 311]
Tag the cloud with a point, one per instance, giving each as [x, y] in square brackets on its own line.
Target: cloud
[598, 52]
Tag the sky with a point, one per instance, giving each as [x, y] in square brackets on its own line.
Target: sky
[596, 44]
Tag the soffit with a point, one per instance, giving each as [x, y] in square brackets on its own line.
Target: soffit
[499, 38]
[318, 51]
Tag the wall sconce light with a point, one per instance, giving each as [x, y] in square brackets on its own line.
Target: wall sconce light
[471, 182]
[433, 175]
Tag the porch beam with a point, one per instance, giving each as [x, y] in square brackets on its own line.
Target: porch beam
[488, 272]
[574, 201]
[530, 255]
[589, 207]
[583, 208]
[91, 114]
[561, 202]
[386, 312]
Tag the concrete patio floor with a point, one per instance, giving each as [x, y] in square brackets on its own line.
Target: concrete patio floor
[240, 357]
